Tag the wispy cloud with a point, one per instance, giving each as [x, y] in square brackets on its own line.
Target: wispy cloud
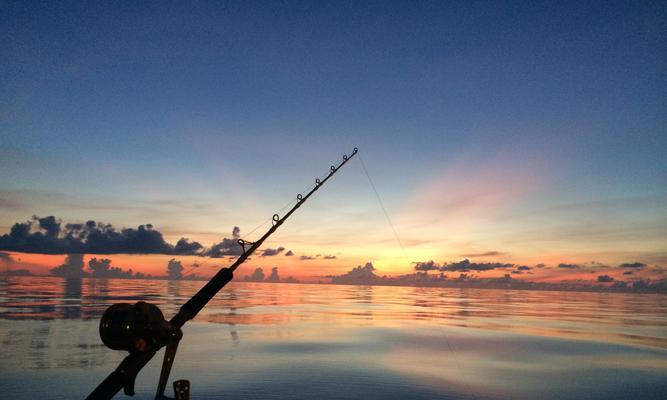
[569, 266]
[635, 265]
[484, 254]
[471, 190]
[272, 252]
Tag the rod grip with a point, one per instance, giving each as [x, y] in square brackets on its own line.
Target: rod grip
[190, 309]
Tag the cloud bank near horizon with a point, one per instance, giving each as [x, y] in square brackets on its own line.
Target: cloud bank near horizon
[48, 235]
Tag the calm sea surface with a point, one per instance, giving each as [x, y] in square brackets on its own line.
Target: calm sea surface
[270, 341]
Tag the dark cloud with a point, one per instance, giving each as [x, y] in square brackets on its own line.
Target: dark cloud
[466, 265]
[5, 257]
[486, 254]
[272, 252]
[329, 257]
[184, 247]
[274, 277]
[605, 278]
[523, 268]
[628, 272]
[357, 276]
[635, 265]
[47, 236]
[257, 276]
[99, 267]
[174, 269]
[427, 266]
[50, 225]
[72, 268]
[227, 247]
[461, 266]
[305, 258]
[289, 253]
[102, 269]
[569, 266]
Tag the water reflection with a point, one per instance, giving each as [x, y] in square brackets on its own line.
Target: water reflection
[413, 342]
[634, 318]
[72, 298]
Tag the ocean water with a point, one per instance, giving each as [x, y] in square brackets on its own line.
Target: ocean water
[275, 341]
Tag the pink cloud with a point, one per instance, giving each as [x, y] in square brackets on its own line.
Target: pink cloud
[462, 192]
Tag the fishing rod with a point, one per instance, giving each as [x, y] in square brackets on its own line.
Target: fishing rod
[142, 330]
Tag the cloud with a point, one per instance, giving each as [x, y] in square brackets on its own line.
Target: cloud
[635, 265]
[50, 225]
[628, 272]
[227, 247]
[6, 257]
[605, 278]
[329, 257]
[47, 236]
[427, 266]
[523, 268]
[272, 252]
[274, 277]
[72, 268]
[305, 258]
[486, 254]
[461, 266]
[174, 269]
[483, 188]
[289, 253]
[183, 246]
[466, 265]
[358, 275]
[569, 266]
[257, 276]
[102, 269]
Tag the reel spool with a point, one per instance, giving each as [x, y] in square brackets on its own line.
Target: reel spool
[136, 328]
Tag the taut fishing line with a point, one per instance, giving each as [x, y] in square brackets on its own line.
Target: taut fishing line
[400, 244]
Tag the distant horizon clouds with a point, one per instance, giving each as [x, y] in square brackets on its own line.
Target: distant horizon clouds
[509, 133]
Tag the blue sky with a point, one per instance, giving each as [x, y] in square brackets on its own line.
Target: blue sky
[198, 117]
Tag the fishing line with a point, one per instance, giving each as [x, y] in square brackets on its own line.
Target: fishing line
[289, 204]
[247, 235]
[286, 206]
[398, 240]
[193, 268]
[384, 210]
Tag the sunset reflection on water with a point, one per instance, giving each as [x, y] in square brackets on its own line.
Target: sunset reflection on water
[257, 340]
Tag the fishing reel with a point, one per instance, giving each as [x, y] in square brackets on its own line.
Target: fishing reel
[141, 328]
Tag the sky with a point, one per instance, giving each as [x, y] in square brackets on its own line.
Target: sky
[507, 132]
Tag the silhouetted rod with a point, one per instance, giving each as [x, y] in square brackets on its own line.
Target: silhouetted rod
[124, 375]
[190, 309]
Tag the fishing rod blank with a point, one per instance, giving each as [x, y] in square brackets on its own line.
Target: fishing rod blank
[142, 330]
